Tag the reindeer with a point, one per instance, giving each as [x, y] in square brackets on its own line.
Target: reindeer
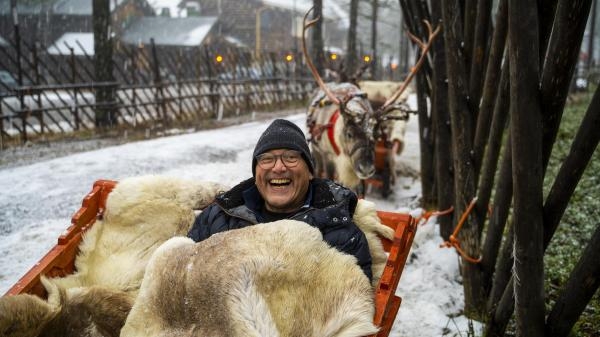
[343, 112]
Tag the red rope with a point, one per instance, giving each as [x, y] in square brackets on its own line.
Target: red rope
[454, 242]
[425, 217]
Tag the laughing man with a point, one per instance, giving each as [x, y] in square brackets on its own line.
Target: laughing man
[283, 187]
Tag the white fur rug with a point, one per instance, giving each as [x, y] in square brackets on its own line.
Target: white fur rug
[274, 279]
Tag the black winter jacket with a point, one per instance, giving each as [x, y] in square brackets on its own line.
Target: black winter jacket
[329, 207]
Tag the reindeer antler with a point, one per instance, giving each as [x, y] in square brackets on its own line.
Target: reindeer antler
[424, 49]
[311, 66]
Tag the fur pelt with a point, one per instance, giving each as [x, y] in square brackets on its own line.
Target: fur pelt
[79, 312]
[365, 217]
[273, 279]
[141, 213]
[379, 91]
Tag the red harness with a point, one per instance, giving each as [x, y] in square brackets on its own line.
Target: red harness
[316, 130]
[330, 130]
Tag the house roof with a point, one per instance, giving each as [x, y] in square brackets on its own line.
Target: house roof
[72, 7]
[331, 10]
[189, 31]
[26, 7]
[79, 7]
[61, 46]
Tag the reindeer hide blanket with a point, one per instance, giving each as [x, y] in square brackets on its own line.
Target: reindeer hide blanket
[273, 279]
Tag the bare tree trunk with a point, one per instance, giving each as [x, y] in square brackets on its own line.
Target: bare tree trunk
[468, 33]
[585, 279]
[566, 39]
[590, 59]
[564, 46]
[501, 301]
[581, 286]
[497, 222]
[351, 56]
[105, 115]
[415, 14]
[526, 125]
[462, 137]
[374, 57]
[490, 88]
[572, 169]
[444, 176]
[426, 141]
[479, 51]
[317, 37]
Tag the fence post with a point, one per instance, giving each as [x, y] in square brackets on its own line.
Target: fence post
[212, 94]
[247, 80]
[1, 126]
[158, 83]
[198, 66]
[134, 67]
[178, 79]
[287, 81]
[15, 17]
[38, 81]
[74, 109]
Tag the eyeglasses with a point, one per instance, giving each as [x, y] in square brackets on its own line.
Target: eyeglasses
[267, 161]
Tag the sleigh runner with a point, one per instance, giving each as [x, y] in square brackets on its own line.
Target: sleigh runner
[60, 260]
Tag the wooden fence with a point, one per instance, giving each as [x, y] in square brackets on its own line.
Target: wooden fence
[152, 86]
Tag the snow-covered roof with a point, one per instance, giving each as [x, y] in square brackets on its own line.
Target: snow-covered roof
[331, 10]
[79, 7]
[190, 31]
[23, 8]
[80, 42]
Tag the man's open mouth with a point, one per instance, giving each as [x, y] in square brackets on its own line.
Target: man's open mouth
[280, 182]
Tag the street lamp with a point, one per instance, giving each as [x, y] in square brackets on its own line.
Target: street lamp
[257, 33]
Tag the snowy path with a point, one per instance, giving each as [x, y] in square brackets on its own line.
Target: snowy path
[38, 200]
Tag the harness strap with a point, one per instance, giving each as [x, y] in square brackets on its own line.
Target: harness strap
[330, 130]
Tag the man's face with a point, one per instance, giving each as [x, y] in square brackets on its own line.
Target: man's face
[282, 187]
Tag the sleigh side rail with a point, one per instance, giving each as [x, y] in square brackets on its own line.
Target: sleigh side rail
[387, 303]
[60, 260]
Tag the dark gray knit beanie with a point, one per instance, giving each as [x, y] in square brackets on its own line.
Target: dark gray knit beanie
[283, 134]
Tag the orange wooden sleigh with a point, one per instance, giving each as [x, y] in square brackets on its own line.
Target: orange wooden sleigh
[59, 261]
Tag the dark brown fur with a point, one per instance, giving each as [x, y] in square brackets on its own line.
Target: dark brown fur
[90, 312]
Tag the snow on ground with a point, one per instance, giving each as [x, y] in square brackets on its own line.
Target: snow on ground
[38, 200]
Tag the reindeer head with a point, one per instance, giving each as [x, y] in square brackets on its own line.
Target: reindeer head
[357, 138]
[362, 126]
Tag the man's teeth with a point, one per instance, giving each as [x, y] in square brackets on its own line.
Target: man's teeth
[279, 181]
